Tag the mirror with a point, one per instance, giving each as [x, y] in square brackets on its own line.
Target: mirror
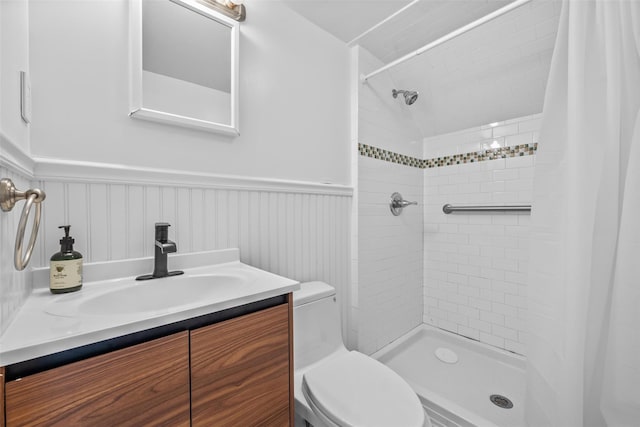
[184, 65]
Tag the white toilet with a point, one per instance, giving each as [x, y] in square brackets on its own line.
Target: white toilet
[335, 387]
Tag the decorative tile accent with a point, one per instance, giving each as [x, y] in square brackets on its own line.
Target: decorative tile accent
[455, 159]
[480, 156]
[389, 156]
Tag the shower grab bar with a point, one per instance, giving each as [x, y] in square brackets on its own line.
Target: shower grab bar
[491, 208]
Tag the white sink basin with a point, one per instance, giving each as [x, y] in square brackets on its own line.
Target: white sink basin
[161, 294]
[153, 296]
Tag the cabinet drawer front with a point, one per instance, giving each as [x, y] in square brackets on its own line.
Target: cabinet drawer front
[240, 371]
[146, 384]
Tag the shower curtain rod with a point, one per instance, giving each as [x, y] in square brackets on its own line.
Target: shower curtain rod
[445, 38]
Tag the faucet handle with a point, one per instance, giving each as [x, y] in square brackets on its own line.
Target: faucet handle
[162, 231]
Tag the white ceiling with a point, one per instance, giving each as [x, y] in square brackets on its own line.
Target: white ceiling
[346, 19]
[495, 72]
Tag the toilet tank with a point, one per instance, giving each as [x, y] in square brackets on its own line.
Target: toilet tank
[317, 330]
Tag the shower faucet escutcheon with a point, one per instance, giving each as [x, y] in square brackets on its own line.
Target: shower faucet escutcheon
[397, 203]
[163, 246]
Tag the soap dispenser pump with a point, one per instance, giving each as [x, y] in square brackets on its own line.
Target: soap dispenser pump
[65, 273]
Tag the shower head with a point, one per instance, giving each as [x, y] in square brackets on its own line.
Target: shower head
[409, 95]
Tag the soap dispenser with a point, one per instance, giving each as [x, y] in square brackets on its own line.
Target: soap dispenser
[65, 274]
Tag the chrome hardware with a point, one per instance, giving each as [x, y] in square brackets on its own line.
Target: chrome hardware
[505, 208]
[9, 196]
[397, 203]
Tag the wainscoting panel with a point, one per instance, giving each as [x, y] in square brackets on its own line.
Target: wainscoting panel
[304, 236]
[14, 285]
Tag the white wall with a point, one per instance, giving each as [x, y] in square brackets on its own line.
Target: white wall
[14, 57]
[14, 143]
[389, 287]
[475, 265]
[294, 96]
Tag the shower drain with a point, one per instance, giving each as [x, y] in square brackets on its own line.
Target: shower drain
[501, 401]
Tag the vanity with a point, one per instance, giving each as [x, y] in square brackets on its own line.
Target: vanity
[211, 347]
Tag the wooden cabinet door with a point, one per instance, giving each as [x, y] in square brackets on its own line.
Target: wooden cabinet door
[143, 385]
[240, 371]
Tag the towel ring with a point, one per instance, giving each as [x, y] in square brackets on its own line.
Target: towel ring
[9, 196]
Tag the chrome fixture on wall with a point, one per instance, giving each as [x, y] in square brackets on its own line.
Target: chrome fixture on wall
[233, 9]
[491, 208]
[410, 96]
[9, 196]
[397, 203]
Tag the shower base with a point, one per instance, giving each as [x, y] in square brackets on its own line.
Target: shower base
[458, 393]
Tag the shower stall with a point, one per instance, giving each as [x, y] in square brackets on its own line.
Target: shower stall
[438, 277]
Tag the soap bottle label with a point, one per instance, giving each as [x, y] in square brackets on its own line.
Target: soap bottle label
[65, 274]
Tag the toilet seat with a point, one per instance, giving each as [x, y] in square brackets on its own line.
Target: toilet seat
[354, 390]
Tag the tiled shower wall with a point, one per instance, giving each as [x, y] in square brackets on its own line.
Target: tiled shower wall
[388, 298]
[390, 251]
[475, 264]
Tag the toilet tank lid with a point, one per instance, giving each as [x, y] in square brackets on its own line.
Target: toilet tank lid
[312, 291]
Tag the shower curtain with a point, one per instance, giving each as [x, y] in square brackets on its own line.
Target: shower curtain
[583, 346]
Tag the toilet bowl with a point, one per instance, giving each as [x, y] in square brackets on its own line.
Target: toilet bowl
[335, 387]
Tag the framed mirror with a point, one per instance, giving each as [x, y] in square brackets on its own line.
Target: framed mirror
[184, 65]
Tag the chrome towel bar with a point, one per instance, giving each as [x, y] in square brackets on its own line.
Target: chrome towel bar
[495, 208]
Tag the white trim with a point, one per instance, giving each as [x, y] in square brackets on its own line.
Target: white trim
[188, 122]
[92, 172]
[491, 16]
[14, 158]
[136, 99]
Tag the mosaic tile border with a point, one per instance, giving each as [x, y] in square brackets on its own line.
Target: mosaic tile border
[455, 159]
[389, 156]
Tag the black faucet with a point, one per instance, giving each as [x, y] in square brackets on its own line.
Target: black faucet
[163, 246]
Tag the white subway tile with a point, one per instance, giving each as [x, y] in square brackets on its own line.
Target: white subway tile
[478, 262]
[480, 325]
[505, 130]
[519, 162]
[506, 333]
[519, 139]
[469, 332]
[492, 339]
[505, 174]
[492, 317]
[480, 304]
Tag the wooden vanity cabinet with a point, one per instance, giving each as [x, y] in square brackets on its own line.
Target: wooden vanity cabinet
[146, 384]
[234, 372]
[240, 371]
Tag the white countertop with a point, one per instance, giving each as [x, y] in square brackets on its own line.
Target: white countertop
[49, 323]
